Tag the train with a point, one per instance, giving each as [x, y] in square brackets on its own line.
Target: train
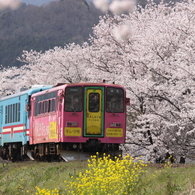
[66, 121]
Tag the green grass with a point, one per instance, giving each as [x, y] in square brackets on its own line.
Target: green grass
[176, 180]
[21, 178]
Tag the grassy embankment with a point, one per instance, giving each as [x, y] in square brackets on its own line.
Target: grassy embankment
[22, 178]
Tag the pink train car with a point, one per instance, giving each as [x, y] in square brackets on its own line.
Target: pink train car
[73, 121]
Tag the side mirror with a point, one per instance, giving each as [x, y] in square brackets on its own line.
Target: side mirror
[127, 101]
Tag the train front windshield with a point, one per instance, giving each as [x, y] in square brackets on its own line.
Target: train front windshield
[73, 99]
[114, 100]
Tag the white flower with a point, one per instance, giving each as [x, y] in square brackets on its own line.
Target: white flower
[119, 7]
[101, 4]
[122, 32]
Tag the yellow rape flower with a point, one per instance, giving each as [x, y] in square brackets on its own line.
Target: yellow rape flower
[106, 176]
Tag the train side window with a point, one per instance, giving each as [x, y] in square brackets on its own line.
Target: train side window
[115, 100]
[6, 114]
[12, 113]
[52, 105]
[47, 106]
[18, 112]
[9, 113]
[39, 108]
[42, 107]
[45, 103]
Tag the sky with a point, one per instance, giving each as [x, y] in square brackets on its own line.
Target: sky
[35, 2]
[39, 2]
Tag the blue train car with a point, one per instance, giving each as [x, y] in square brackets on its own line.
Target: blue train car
[14, 122]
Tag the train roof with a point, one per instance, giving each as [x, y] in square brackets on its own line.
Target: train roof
[40, 88]
[88, 84]
[33, 89]
[62, 85]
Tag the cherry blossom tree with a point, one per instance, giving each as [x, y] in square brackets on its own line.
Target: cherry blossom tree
[155, 63]
[151, 52]
[11, 80]
[69, 64]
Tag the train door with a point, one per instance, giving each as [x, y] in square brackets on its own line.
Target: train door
[94, 112]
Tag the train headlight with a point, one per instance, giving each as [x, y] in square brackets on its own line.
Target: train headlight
[115, 124]
[72, 124]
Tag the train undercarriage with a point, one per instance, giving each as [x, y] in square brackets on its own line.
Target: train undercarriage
[57, 151]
